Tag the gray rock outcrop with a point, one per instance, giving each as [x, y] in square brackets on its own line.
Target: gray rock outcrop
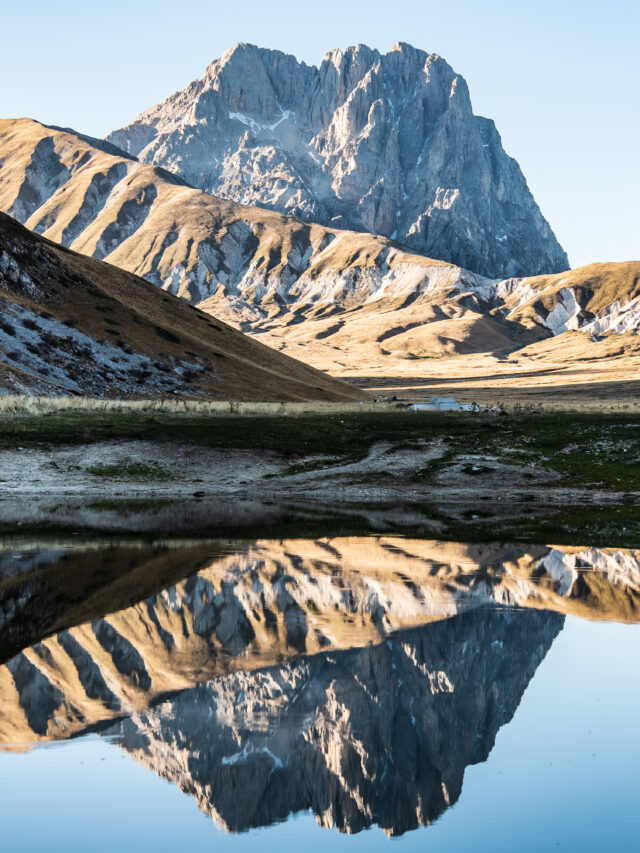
[387, 144]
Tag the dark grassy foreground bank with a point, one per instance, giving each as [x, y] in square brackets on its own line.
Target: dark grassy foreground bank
[579, 476]
[590, 450]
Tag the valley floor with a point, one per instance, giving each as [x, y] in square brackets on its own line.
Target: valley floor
[571, 372]
[490, 381]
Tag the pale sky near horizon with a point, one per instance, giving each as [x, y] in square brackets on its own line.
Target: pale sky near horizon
[561, 79]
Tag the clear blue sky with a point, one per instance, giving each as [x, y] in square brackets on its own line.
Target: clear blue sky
[561, 79]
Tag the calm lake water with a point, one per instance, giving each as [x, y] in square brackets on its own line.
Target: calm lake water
[367, 693]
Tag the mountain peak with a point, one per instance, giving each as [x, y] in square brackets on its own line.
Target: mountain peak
[408, 49]
[364, 141]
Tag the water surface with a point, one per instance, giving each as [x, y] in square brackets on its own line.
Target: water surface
[353, 691]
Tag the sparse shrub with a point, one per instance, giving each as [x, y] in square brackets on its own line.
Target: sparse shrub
[136, 469]
[167, 335]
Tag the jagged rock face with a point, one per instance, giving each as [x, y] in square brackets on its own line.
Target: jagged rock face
[380, 735]
[386, 144]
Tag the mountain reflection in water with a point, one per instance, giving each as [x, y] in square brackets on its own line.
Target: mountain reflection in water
[379, 735]
[354, 677]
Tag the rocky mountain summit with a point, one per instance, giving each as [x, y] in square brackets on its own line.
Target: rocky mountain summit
[383, 143]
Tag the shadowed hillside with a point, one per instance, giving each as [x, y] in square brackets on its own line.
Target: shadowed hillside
[74, 325]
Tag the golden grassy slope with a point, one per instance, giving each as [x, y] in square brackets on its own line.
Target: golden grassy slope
[567, 371]
[597, 287]
[433, 348]
[188, 217]
[353, 304]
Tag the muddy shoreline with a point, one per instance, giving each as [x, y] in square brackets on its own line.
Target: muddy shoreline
[390, 473]
[421, 488]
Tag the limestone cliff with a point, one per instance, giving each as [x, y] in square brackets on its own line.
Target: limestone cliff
[384, 143]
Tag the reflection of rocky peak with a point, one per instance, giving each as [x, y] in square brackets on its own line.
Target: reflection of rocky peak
[381, 143]
[118, 630]
[380, 735]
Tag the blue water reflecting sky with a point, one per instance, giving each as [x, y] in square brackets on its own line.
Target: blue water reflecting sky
[562, 775]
